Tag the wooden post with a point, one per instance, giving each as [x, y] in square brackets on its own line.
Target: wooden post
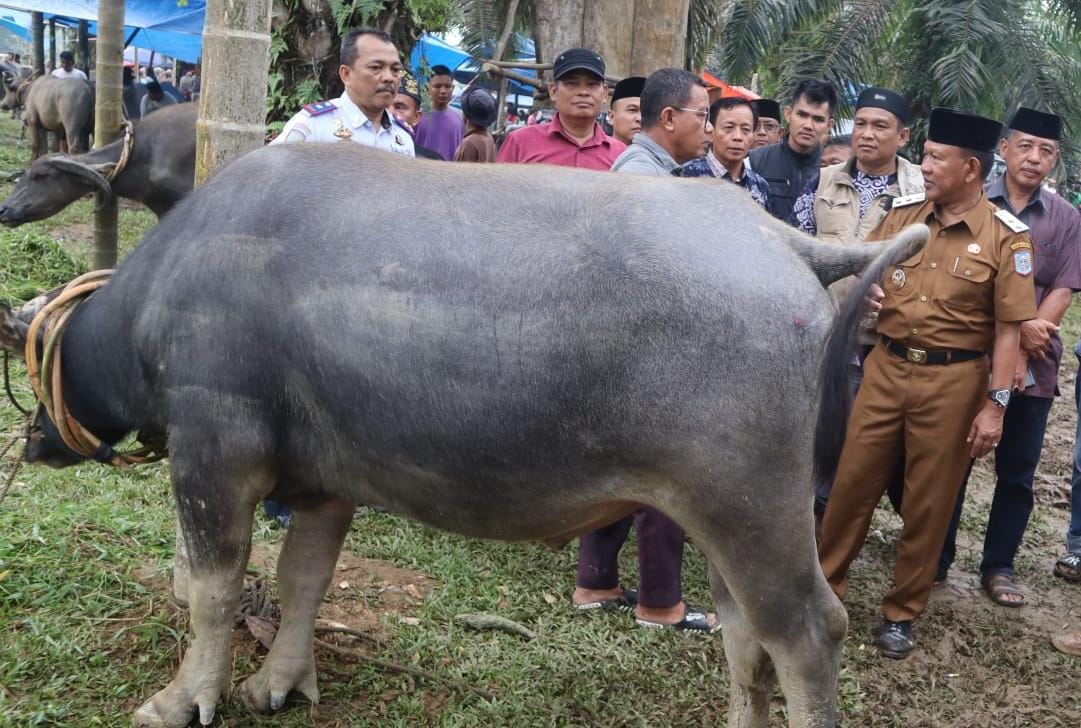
[37, 43]
[52, 42]
[84, 47]
[108, 115]
[232, 100]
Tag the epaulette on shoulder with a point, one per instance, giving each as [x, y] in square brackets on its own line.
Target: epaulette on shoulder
[906, 200]
[1011, 221]
[320, 107]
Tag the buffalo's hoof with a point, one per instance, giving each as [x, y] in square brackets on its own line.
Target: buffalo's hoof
[173, 707]
[266, 690]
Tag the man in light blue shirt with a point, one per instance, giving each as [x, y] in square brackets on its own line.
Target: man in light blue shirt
[371, 71]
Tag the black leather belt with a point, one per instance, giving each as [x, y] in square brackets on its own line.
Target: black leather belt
[932, 356]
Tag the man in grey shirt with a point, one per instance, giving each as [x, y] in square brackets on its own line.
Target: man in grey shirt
[675, 130]
[675, 125]
[155, 99]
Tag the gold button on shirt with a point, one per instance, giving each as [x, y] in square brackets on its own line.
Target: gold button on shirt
[949, 295]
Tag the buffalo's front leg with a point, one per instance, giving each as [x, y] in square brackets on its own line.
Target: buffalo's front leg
[215, 513]
[305, 568]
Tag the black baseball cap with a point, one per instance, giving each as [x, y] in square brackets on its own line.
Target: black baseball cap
[1037, 123]
[958, 129]
[883, 98]
[67, 56]
[478, 107]
[577, 59]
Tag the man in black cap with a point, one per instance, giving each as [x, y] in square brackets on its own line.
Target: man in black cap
[406, 109]
[789, 164]
[769, 129]
[1031, 150]
[573, 138]
[924, 395]
[67, 67]
[480, 112]
[625, 109]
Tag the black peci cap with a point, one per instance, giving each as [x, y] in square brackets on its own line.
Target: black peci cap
[1037, 123]
[628, 88]
[768, 109]
[67, 56]
[959, 129]
[577, 59]
[883, 98]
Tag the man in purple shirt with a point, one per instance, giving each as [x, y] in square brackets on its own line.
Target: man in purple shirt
[1031, 150]
[573, 138]
[441, 129]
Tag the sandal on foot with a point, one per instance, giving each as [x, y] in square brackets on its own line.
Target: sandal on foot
[694, 620]
[625, 602]
[1069, 568]
[1069, 644]
[1000, 586]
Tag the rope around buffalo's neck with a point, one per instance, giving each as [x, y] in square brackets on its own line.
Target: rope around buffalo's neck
[47, 382]
[128, 130]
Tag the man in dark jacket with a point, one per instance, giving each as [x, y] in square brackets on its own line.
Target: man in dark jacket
[789, 164]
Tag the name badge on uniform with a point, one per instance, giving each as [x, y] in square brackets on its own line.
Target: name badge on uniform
[907, 200]
[1022, 262]
[341, 132]
[898, 278]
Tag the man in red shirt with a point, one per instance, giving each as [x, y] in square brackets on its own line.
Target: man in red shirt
[573, 138]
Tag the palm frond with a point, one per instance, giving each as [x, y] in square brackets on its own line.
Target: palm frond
[751, 28]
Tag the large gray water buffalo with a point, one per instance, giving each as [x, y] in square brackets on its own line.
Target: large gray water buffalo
[15, 77]
[159, 171]
[657, 345]
[63, 106]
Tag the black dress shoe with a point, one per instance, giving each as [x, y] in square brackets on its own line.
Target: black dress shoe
[895, 639]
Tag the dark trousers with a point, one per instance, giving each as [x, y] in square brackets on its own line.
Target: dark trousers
[660, 557]
[1016, 458]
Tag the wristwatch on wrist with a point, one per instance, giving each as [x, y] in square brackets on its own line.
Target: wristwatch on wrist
[1001, 397]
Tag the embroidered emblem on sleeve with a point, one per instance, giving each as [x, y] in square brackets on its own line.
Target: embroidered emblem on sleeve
[1021, 245]
[1022, 262]
[1011, 222]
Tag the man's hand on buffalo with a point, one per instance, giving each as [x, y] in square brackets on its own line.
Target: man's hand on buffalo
[986, 430]
[1036, 337]
[875, 294]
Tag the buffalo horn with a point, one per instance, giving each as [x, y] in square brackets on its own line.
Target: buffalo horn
[82, 171]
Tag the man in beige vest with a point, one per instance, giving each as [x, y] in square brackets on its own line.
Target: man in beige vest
[848, 200]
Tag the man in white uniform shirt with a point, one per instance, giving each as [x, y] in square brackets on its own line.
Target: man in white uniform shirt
[371, 71]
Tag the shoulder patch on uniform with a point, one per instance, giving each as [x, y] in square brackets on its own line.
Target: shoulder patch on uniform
[1021, 245]
[1022, 262]
[320, 107]
[906, 200]
[1011, 222]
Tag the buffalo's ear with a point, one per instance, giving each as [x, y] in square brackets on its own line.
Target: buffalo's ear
[12, 331]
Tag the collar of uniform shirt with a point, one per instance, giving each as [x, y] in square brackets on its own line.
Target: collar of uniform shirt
[996, 192]
[357, 117]
[972, 217]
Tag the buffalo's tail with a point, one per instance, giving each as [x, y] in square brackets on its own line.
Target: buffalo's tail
[834, 391]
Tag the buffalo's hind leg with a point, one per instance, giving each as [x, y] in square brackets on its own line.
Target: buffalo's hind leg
[775, 606]
[305, 568]
[215, 497]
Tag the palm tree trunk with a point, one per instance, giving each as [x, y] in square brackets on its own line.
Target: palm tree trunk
[84, 47]
[52, 42]
[633, 36]
[232, 103]
[108, 115]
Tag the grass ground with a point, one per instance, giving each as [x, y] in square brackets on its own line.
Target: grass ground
[87, 630]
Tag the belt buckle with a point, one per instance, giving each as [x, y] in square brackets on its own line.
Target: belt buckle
[916, 356]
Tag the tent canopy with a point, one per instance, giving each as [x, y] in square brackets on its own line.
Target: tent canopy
[728, 89]
[170, 27]
[432, 51]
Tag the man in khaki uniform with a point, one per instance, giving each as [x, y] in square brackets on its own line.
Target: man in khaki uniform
[925, 388]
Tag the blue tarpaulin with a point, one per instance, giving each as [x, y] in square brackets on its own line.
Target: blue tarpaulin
[432, 51]
[170, 27]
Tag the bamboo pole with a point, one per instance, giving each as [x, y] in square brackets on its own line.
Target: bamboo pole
[108, 115]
